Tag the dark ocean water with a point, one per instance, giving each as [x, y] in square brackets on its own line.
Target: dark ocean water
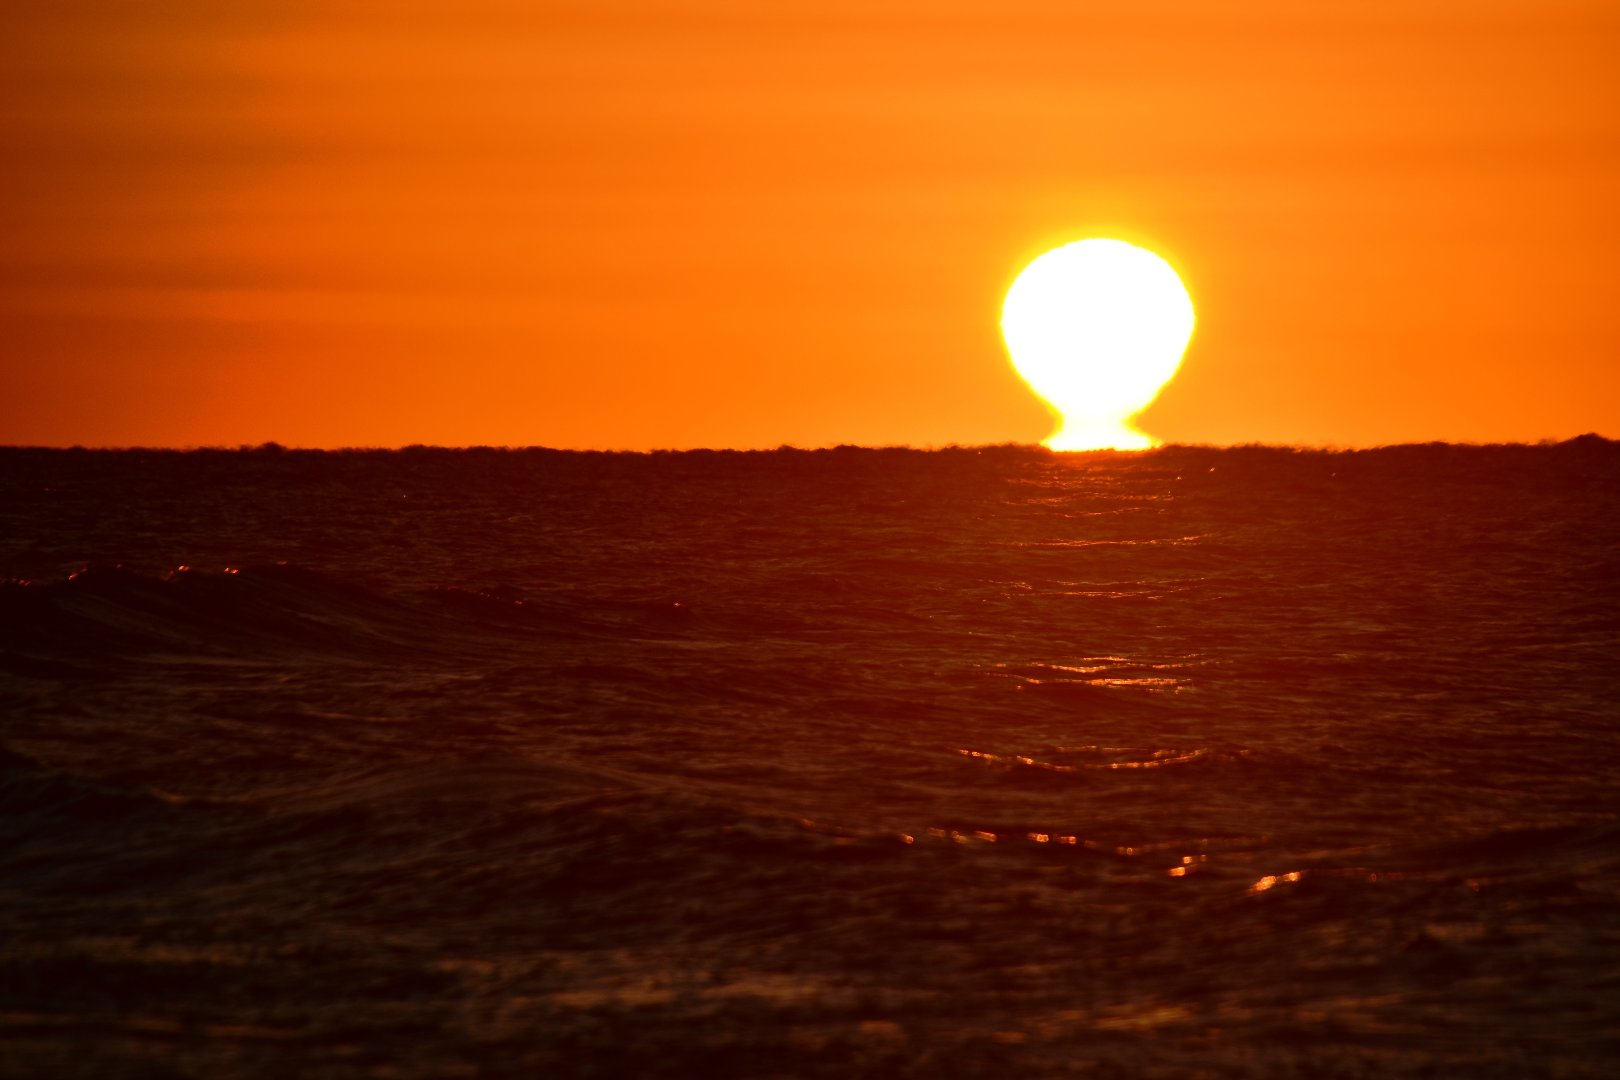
[1189, 763]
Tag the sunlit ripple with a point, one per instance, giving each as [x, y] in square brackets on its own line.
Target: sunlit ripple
[1156, 541]
[1352, 873]
[1128, 758]
[1101, 673]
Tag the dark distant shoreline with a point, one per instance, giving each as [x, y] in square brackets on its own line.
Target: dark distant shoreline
[1589, 440]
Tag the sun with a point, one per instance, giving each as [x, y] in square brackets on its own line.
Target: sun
[1097, 328]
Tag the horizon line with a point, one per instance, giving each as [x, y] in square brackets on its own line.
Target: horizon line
[274, 447]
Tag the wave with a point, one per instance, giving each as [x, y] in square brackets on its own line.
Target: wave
[108, 611]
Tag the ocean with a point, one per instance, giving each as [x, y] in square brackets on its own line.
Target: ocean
[974, 762]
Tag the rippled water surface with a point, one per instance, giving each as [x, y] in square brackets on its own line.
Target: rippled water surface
[1194, 762]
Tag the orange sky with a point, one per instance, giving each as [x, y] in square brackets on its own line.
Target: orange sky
[734, 223]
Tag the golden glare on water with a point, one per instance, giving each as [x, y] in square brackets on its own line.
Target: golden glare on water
[1097, 328]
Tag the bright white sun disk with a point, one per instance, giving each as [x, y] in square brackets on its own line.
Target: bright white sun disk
[1097, 328]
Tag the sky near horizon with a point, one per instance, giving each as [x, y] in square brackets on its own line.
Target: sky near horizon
[630, 224]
